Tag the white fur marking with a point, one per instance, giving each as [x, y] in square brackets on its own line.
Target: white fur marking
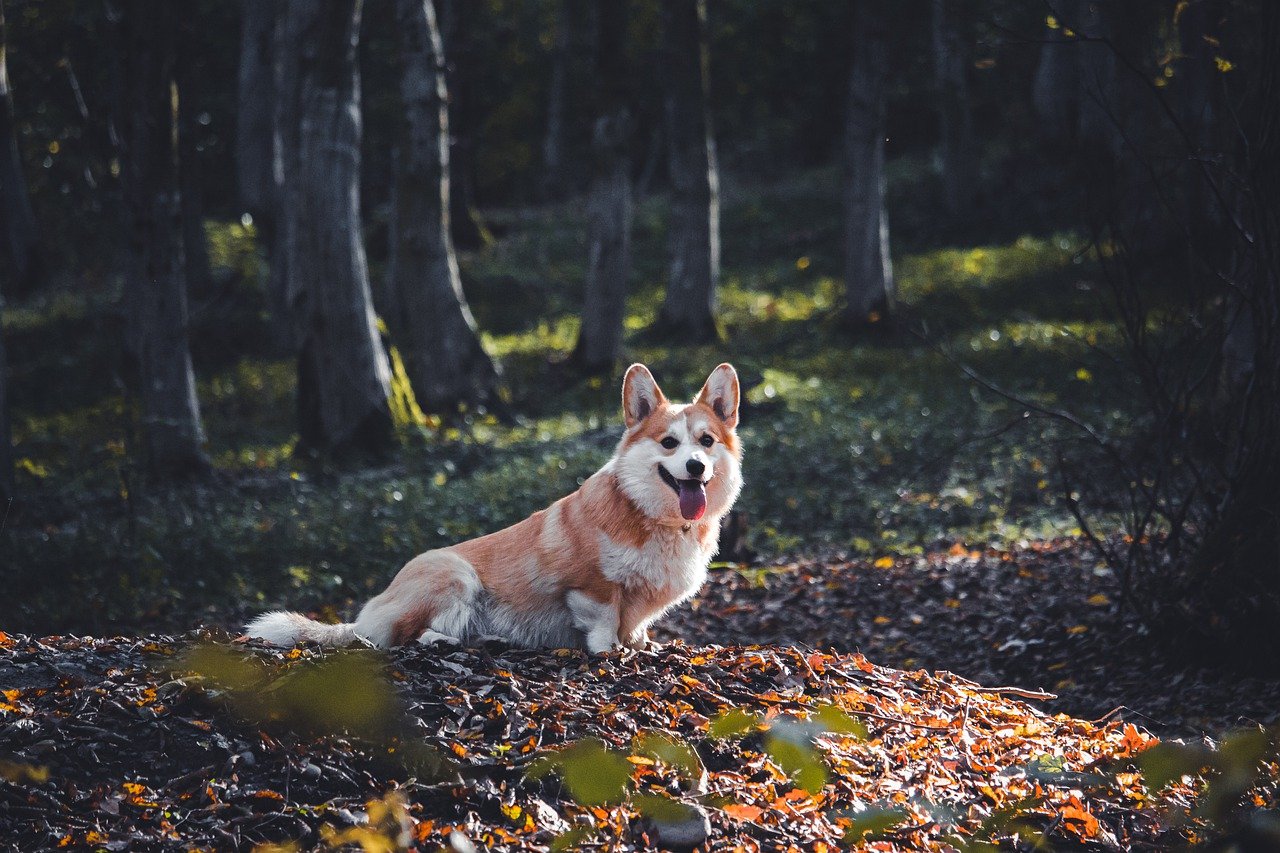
[597, 620]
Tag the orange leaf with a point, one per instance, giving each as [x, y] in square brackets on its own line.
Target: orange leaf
[739, 811]
[1088, 823]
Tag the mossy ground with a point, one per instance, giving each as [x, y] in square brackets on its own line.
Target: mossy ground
[871, 443]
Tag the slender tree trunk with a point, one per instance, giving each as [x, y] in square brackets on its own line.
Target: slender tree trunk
[609, 208]
[199, 274]
[693, 237]
[256, 180]
[1100, 107]
[464, 216]
[6, 436]
[155, 286]
[443, 356]
[957, 161]
[255, 112]
[18, 230]
[868, 271]
[286, 83]
[553, 140]
[1055, 90]
[344, 380]
[14, 208]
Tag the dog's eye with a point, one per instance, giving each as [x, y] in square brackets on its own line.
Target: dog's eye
[706, 441]
[670, 442]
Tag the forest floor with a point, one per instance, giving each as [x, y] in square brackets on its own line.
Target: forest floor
[175, 743]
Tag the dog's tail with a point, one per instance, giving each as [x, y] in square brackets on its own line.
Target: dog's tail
[282, 628]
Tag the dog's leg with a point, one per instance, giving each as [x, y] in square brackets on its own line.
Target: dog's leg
[597, 620]
[429, 636]
[634, 629]
[638, 639]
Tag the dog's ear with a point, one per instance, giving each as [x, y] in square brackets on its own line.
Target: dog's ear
[640, 395]
[721, 393]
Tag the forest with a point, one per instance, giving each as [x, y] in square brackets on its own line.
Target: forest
[294, 290]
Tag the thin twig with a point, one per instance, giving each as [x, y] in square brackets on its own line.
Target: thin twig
[1014, 691]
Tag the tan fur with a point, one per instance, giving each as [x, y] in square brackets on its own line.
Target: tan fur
[555, 559]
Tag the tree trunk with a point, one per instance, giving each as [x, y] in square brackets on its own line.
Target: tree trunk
[285, 104]
[609, 207]
[1055, 90]
[255, 119]
[868, 270]
[464, 217]
[6, 436]
[344, 379]
[257, 184]
[155, 286]
[553, 182]
[957, 162]
[21, 237]
[693, 236]
[15, 209]
[443, 356]
[199, 274]
[1100, 110]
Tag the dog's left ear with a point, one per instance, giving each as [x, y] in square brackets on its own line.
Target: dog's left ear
[721, 393]
[640, 395]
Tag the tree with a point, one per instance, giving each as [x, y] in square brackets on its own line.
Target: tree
[344, 379]
[443, 356]
[552, 182]
[609, 207]
[255, 119]
[155, 280]
[257, 184]
[460, 52]
[21, 237]
[6, 436]
[693, 236]
[868, 270]
[188, 78]
[957, 162]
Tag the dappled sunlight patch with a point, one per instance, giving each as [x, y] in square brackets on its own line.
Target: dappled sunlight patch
[233, 247]
[745, 305]
[549, 336]
[958, 269]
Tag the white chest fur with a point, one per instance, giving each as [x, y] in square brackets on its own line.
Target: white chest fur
[671, 560]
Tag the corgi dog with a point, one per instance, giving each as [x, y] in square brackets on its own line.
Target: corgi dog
[593, 570]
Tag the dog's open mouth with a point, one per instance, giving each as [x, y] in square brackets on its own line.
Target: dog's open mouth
[692, 494]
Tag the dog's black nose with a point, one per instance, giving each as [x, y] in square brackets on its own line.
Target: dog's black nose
[694, 467]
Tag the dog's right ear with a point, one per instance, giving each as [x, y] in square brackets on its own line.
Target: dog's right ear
[640, 395]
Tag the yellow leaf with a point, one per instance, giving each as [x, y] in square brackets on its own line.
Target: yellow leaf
[884, 563]
[1077, 629]
[1224, 65]
[882, 620]
[802, 263]
[1099, 600]
[1084, 375]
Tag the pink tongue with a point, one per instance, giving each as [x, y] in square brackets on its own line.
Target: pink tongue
[693, 499]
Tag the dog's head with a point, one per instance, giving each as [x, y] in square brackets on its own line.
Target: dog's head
[680, 461]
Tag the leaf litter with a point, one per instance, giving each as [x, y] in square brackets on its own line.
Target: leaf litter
[199, 742]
